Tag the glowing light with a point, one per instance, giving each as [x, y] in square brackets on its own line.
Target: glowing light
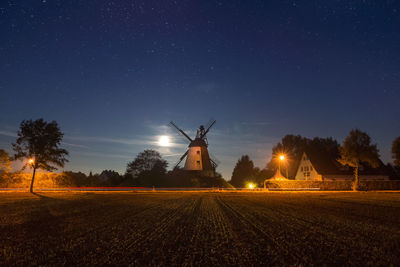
[31, 161]
[251, 186]
[163, 141]
[282, 157]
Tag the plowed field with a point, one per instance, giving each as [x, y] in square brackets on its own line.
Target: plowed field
[200, 228]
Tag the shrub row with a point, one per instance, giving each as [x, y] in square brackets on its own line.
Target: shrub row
[322, 185]
[333, 185]
[23, 180]
[379, 185]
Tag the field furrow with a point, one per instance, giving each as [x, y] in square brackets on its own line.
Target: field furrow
[200, 228]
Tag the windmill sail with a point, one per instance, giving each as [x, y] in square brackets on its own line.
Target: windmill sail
[181, 158]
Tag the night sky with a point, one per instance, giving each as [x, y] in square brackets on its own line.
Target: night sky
[114, 73]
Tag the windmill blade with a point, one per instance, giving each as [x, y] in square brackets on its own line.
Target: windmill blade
[181, 158]
[210, 121]
[208, 128]
[214, 164]
[214, 161]
[180, 130]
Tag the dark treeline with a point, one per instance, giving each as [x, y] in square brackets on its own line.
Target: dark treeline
[176, 178]
[148, 169]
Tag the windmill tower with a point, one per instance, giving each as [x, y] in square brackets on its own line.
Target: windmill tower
[197, 156]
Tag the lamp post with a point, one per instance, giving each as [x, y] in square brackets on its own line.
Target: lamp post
[281, 158]
[31, 161]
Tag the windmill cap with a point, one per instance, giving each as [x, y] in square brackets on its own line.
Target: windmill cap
[197, 142]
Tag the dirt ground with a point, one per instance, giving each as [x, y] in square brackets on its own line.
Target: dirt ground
[200, 228]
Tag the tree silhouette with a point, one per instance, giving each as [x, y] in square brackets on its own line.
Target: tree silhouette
[147, 168]
[148, 160]
[39, 141]
[357, 149]
[110, 178]
[5, 161]
[243, 172]
[396, 151]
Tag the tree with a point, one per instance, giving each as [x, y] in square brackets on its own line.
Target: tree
[148, 160]
[357, 149]
[147, 167]
[70, 178]
[110, 178]
[243, 172]
[38, 141]
[5, 161]
[396, 151]
[293, 146]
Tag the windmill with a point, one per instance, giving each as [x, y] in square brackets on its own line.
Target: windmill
[197, 156]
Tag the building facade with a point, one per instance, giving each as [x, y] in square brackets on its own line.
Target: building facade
[306, 170]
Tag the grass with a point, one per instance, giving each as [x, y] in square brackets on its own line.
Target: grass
[199, 228]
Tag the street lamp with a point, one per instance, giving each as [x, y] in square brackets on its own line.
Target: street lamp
[281, 159]
[31, 161]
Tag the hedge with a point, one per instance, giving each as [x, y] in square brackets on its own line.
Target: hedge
[333, 185]
[379, 185]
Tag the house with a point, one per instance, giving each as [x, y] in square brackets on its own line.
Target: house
[324, 167]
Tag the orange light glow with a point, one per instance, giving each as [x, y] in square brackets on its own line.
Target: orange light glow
[282, 157]
[31, 161]
[251, 186]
